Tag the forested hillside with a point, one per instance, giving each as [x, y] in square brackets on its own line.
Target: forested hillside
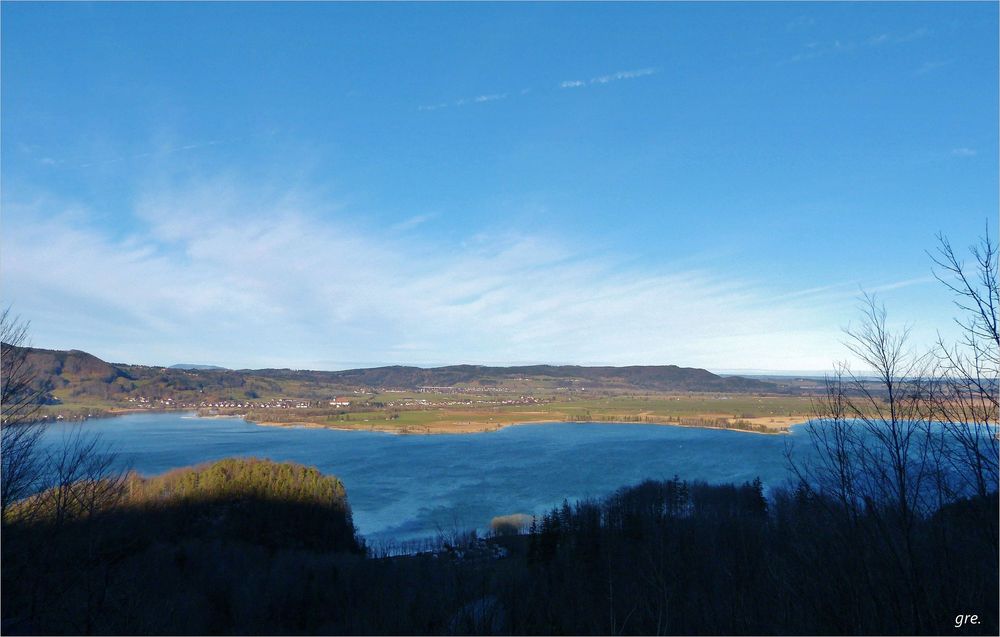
[258, 548]
[64, 375]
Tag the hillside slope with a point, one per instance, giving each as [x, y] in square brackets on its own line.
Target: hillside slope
[658, 377]
[79, 377]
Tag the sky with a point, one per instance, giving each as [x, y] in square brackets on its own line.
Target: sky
[329, 186]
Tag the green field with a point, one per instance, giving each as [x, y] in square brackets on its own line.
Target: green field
[764, 413]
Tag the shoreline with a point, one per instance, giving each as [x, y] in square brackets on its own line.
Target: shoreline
[782, 427]
[485, 428]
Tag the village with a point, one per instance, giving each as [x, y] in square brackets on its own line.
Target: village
[366, 400]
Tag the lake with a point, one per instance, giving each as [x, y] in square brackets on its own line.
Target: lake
[404, 487]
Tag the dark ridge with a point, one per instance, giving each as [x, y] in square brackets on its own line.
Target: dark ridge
[653, 377]
[87, 375]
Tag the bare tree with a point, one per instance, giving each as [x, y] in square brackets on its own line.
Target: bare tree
[924, 426]
[875, 448]
[60, 485]
[896, 459]
[19, 403]
[965, 397]
[80, 481]
[835, 469]
[72, 479]
[875, 460]
[912, 432]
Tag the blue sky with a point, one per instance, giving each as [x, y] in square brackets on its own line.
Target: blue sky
[332, 185]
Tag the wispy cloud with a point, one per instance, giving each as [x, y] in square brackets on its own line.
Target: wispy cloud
[897, 285]
[432, 107]
[915, 34]
[822, 48]
[799, 23]
[841, 293]
[931, 66]
[890, 38]
[963, 152]
[168, 150]
[241, 276]
[611, 77]
[815, 49]
[413, 222]
[491, 97]
[479, 99]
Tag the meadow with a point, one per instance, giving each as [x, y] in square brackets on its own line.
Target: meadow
[460, 413]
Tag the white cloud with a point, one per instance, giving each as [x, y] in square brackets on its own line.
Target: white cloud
[490, 98]
[915, 34]
[412, 222]
[611, 77]
[622, 75]
[815, 49]
[479, 99]
[896, 285]
[963, 152]
[165, 150]
[245, 277]
[928, 67]
[800, 22]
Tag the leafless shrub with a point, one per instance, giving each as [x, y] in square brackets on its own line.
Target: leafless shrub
[74, 478]
[19, 431]
[967, 372]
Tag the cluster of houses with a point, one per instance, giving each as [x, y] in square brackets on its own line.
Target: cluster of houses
[421, 402]
[338, 402]
[143, 401]
[277, 403]
[428, 389]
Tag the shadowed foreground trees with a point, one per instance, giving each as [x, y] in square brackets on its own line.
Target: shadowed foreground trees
[910, 436]
[124, 565]
[193, 552]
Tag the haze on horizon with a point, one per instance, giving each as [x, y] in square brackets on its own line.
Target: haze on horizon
[328, 186]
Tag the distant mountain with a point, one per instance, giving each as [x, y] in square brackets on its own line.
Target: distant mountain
[75, 375]
[648, 377]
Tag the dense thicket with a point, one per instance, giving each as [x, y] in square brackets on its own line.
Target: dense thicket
[125, 555]
[256, 547]
[697, 559]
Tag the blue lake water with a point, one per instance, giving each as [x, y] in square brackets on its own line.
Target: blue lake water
[404, 487]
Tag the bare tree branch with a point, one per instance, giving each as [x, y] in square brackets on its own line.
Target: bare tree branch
[19, 402]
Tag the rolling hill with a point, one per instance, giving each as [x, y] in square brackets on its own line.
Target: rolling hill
[77, 374]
